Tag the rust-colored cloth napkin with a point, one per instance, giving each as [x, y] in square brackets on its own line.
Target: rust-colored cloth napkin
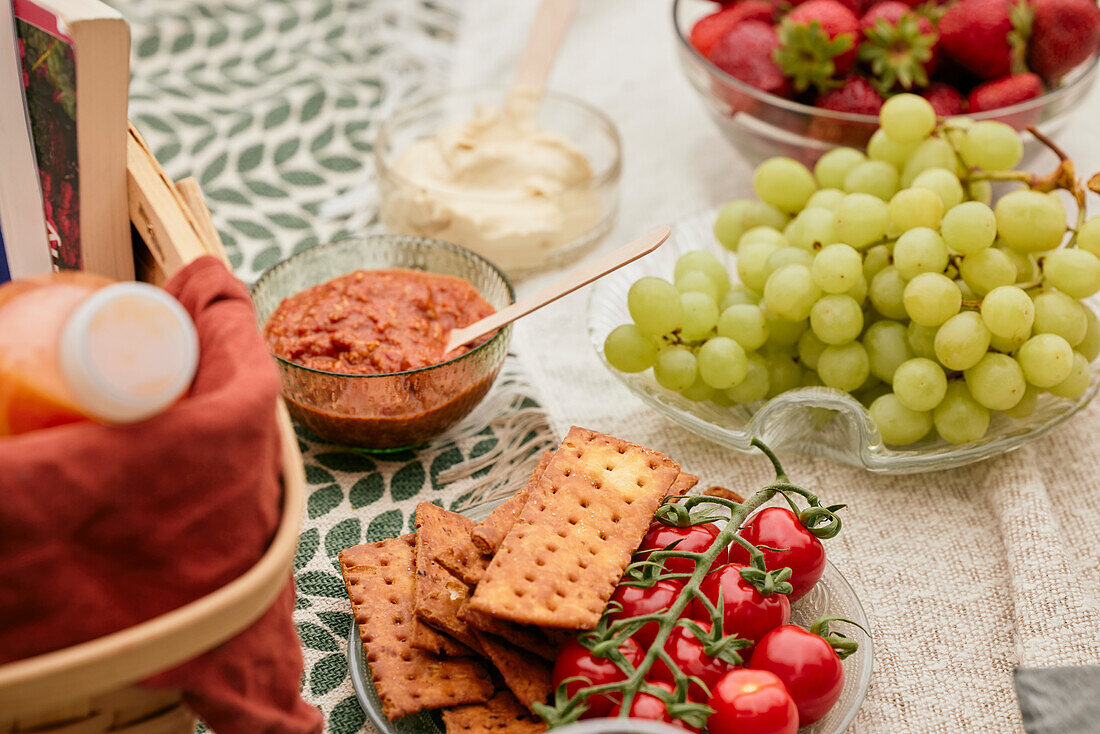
[103, 527]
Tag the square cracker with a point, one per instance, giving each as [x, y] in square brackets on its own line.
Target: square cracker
[425, 638]
[459, 555]
[527, 677]
[489, 533]
[380, 579]
[683, 484]
[439, 595]
[531, 639]
[501, 713]
[560, 562]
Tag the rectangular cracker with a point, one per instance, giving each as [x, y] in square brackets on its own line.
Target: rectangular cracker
[380, 579]
[683, 484]
[425, 638]
[532, 639]
[439, 594]
[527, 677]
[460, 556]
[560, 562]
[501, 713]
[489, 533]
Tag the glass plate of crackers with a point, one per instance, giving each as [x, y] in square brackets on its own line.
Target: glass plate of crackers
[426, 655]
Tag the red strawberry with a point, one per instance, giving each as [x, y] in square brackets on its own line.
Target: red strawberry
[945, 99]
[857, 95]
[710, 29]
[988, 37]
[899, 46]
[853, 5]
[818, 40]
[1063, 34]
[1004, 92]
[746, 52]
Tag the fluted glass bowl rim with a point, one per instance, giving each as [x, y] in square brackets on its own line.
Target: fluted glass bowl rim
[1082, 76]
[397, 242]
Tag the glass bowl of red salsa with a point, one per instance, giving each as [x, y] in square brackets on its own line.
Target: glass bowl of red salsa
[356, 329]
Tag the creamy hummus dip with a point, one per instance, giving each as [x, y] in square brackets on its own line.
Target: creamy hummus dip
[498, 184]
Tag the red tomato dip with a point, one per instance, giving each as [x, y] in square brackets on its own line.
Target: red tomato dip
[374, 322]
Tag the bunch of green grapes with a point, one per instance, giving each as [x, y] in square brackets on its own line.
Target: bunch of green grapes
[887, 274]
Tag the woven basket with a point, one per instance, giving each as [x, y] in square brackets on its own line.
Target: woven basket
[89, 688]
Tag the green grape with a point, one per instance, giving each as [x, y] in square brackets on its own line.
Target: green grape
[944, 182]
[1046, 359]
[763, 234]
[783, 183]
[788, 256]
[722, 362]
[832, 167]
[887, 293]
[1006, 345]
[861, 220]
[1057, 313]
[738, 217]
[961, 341]
[877, 178]
[700, 315]
[875, 260]
[813, 226]
[931, 299]
[898, 424]
[629, 349]
[920, 383]
[859, 291]
[752, 264]
[969, 227]
[676, 368]
[811, 379]
[1008, 312]
[922, 340]
[654, 305]
[1027, 270]
[1090, 345]
[1088, 236]
[1075, 385]
[837, 268]
[810, 349]
[826, 199]
[782, 332]
[996, 381]
[696, 281]
[887, 348]
[955, 130]
[920, 250]
[699, 391]
[915, 207]
[1027, 404]
[1029, 221]
[755, 385]
[983, 271]
[844, 366]
[772, 348]
[932, 153]
[836, 319]
[871, 391]
[993, 146]
[907, 118]
[959, 418]
[882, 148]
[783, 374]
[980, 191]
[707, 263]
[746, 324]
[790, 292]
[718, 397]
[1073, 271]
[737, 296]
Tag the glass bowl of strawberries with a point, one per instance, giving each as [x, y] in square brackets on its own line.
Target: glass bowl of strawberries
[799, 80]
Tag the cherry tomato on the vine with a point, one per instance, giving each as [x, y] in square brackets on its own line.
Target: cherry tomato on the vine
[747, 613]
[778, 527]
[690, 656]
[693, 538]
[751, 702]
[577, 660]
[807, 665]
[637, 601]
[648, 706]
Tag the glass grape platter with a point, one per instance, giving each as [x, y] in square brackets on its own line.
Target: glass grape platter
[819, 421]
[832, 596]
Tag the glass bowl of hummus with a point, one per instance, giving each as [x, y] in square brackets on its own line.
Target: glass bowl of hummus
[526, 182]
[357, 329]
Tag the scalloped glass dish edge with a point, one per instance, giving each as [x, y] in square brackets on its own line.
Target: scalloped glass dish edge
[819, 421]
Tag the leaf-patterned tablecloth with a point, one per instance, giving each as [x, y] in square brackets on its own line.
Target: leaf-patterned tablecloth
[273, 105]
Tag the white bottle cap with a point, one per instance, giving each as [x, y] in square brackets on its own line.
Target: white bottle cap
[128, 352]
